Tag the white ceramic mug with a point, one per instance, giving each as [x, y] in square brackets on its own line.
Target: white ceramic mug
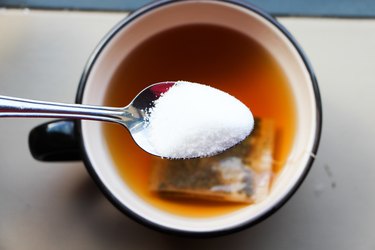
[123, 39]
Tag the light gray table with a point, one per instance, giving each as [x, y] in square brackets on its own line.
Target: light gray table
[57, 206]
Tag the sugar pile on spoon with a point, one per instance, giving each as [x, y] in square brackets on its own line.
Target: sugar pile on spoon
[195, 120]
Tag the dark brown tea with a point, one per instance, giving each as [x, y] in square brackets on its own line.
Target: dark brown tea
[207, 54]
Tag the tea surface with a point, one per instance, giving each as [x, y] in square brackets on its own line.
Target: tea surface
[216, 56]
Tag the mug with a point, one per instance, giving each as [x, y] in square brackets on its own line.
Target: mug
[84, 140]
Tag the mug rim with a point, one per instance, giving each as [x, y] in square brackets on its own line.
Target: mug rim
[123, 208]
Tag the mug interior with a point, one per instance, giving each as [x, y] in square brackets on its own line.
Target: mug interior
[149, 21]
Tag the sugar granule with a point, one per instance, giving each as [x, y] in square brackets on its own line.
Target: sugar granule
[195, 120]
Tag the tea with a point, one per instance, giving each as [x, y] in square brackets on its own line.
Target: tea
[208, 54]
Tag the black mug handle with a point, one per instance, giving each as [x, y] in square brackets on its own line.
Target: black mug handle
[55, 141]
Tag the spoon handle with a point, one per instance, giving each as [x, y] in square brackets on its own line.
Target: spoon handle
[17, 107]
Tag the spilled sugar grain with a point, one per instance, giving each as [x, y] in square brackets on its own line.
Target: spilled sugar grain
[194, 120]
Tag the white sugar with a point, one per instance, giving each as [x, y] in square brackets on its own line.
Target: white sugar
[194, 120]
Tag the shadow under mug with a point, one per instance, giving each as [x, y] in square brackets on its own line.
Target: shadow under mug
[83, 140]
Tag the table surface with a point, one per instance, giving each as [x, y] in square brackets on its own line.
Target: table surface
[57, 205]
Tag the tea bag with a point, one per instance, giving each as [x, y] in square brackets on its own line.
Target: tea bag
[240, 174]
[260, 157]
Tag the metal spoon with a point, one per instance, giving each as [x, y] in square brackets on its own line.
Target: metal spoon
[131, 116]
